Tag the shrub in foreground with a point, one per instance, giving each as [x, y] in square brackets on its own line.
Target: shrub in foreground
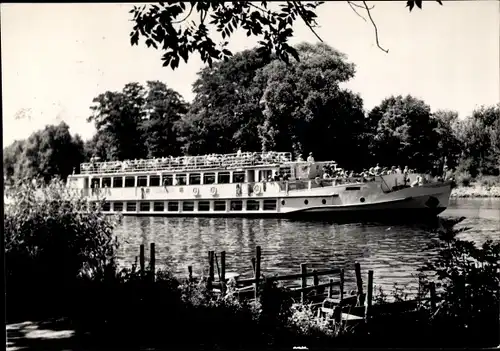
[51, 238]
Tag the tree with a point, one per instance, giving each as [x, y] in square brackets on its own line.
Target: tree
[305, 110]
[405, 133]
[163, 107]
[117, 117]
[225, 111]
[11, 156]
[478, 135]
[448, 143]
[47, 153]
[171, 28]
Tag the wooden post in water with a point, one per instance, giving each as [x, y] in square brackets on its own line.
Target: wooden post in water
[223, 271]
[211, 272]
[253, 265]
[432, 289]
[330, 289]
[141, 259]
[315, 281]
[152, 261]
[303, 271]
[211, 266]
[369, 294]
[257, 271]
[359, 283]
[342, 282]
[190, 272]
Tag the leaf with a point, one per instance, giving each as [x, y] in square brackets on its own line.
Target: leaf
[134, 38]
[293, 52]
[410, 4]
[419, 4]
[439, 2]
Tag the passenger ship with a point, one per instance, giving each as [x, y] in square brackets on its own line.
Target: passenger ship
[243, 185]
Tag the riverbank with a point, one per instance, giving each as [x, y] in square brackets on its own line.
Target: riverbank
[476, 191]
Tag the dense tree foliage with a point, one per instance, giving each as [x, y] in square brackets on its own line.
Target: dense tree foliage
[404, 132]
[172, 26]
[137, 122]
[306, 110]
[49, 152]
[226, 110]
[478, 135]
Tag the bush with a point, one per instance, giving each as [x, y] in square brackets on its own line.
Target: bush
[463, 178]
[468, 278]
[51, 238]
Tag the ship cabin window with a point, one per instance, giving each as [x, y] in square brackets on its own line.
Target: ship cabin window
[118, 206]
[167, 179]
[203, 206]
[195, 178]
[106, 207]
[286, 171]
[131, 206]
[129, 182]
[144, 207]
[219, 205]
[142, 181]
[117, 182]
[269, 205]
[223, 178]
[236, 205]
[252, 205]
[209, 178]
[158, 206]
[173, 206]
[95, 183]
[238, 177]
[265, 174]
[181, 179]
[188, 206]
[154, 180]
[106, 182]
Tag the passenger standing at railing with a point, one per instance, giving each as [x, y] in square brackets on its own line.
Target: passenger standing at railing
[310, 158]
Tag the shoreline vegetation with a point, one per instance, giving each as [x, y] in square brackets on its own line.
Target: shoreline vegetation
[66, 253]
[481, 187]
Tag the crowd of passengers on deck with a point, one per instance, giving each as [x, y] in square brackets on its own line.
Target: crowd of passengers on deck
[170, 162]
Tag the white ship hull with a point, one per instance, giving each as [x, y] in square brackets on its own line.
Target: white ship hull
[348, 202]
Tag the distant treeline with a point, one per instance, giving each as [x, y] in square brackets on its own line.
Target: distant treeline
[254, 104]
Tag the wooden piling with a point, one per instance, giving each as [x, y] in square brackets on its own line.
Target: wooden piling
[330, 289]
[223, 271]
[253, 265]
[257, 271]
[211, 272]
[141, 259]
[369, 294]
[315, 281]
[303, 271]
[359, 283]
[432, 290]
[342, 282]
[190, 272]
[152, 261]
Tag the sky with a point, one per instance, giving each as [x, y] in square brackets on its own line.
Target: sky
[57, 57]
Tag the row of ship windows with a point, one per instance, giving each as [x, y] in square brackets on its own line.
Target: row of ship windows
[168, 180]
[187, 206]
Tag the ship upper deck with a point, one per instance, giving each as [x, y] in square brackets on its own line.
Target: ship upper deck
[185, 163]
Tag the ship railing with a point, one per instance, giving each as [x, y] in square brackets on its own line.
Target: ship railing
[187, 163]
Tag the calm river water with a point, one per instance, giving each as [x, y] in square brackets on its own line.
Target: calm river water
[393, 252]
